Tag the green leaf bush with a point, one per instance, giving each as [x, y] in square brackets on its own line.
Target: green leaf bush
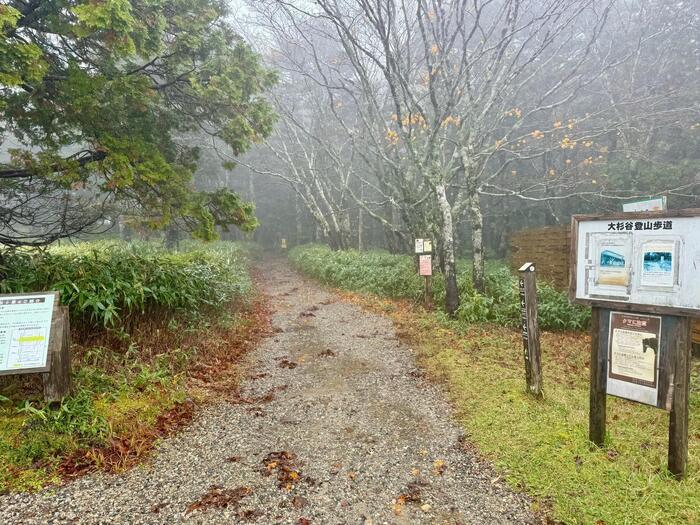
[388, 275]
[107, 283]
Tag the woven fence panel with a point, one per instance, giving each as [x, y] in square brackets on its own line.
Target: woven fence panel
[548, 248]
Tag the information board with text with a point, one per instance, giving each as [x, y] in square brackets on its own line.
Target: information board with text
[25, 329]
[634, 344]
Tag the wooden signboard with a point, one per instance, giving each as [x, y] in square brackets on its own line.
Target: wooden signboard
[640, 272]
[656, 204]
[423, 249]
[25, 331]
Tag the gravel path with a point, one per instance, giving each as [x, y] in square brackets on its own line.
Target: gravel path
[336, 426]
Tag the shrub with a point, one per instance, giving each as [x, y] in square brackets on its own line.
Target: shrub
[104, 283]
[390, 275]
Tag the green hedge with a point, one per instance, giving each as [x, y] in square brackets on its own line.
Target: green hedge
[390, 275]
[104, 283]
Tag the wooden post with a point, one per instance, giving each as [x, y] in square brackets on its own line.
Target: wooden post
[57, 382]
[598, 367]
[678, 419]
[531, 330]
[428, 292]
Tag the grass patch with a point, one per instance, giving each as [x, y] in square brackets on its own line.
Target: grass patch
[135, 379]
[541, 446]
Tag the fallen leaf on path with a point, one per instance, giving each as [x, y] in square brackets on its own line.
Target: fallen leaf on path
[220, 498]
[286, 466]
[155, 509]
[299, 502]
[412, 493]
[439, 467]
[250, 515]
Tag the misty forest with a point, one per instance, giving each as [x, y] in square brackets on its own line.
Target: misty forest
[350, 261]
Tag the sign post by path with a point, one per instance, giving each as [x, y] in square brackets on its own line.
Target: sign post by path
[530, 329]
[640, 272]
[35, 338]
[424, 249]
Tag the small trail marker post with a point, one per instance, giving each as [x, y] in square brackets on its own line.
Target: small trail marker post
[424, 249]
[640, 273]
[530, 329]
[35, 338]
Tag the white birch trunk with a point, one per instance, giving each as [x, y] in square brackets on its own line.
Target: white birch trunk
[448, 250]
[477, 222]
[360, 244]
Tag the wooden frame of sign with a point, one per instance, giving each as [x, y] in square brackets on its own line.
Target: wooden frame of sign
[642, 301]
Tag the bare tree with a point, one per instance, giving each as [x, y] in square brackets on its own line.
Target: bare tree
[435, 106]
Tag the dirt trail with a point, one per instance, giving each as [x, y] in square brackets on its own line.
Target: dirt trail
[335, 426]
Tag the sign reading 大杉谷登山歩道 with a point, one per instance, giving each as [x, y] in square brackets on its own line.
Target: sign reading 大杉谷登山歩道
[25, 329]
[649, 259]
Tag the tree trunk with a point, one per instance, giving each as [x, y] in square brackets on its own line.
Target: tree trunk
[360, 244]
[477, 221]
[448, 251]
[297, 219]
[172, 237]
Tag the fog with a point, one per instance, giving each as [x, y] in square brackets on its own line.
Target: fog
[469, 121]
